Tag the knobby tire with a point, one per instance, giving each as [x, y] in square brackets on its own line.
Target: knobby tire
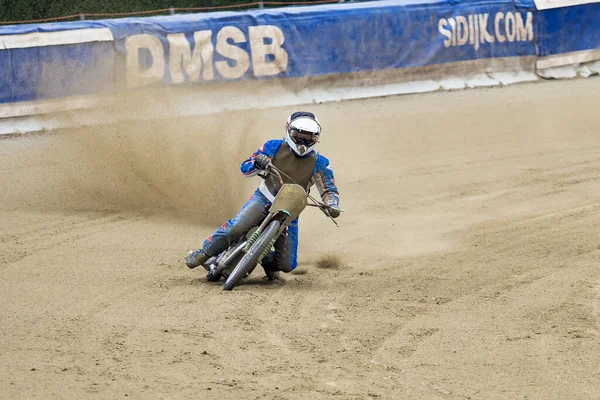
[251, 257]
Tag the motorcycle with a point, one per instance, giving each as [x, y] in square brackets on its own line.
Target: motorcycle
[239, 260]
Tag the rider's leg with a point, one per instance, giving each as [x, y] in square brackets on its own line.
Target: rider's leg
[285, 256]
[250, 215]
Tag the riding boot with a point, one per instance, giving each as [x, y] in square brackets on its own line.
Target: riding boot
[196, 258]
[269, 265]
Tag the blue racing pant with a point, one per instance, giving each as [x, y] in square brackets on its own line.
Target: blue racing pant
[283, 258]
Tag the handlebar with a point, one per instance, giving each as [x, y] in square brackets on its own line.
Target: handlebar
[271, 169]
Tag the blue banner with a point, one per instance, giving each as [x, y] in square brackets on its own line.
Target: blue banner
[57, 60]
[56, 71]
[333, 39]
[569, 29]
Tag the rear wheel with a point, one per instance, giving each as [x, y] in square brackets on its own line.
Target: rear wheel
[248, 262]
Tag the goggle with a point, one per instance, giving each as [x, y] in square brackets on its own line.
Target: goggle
[304, 137]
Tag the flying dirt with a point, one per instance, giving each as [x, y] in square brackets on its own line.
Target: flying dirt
[465, 265]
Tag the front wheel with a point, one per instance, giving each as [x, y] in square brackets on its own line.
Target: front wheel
[262, 245]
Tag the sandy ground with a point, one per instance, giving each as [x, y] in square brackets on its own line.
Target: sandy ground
[470, 256]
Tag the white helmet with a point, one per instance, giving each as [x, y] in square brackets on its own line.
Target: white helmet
[302, 131]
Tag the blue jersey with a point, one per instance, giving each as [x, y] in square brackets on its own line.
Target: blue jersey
[322, 174]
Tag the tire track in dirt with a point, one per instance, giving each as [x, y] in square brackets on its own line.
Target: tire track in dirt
[22, 243]
[523, 245]
[596, 305]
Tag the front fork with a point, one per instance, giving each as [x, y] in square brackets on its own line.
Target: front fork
[282, 216]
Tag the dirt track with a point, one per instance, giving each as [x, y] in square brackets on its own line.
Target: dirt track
[470, 252]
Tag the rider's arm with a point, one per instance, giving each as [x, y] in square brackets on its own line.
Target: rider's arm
[325, 181]
[268, 149]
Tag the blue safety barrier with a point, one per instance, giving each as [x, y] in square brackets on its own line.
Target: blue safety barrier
[569, 29]
[342, 38]
[87, 57]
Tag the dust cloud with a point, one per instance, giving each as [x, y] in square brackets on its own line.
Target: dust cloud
[184, 167]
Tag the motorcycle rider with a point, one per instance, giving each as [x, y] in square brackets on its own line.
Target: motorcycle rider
[294, 155]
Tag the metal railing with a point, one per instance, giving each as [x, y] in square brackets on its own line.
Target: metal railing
[171, 11]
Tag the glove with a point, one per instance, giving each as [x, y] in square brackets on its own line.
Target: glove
[261, 161]
[334, 211]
